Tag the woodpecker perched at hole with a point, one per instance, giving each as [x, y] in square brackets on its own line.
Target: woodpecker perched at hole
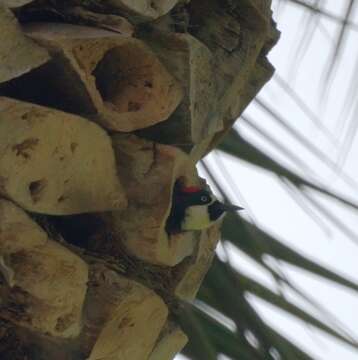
[195, 208]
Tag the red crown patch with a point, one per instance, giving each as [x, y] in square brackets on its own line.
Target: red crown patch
[191, 189]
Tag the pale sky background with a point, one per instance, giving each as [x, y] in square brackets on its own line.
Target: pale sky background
[268, 204]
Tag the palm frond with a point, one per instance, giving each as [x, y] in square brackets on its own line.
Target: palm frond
[278, 145]
[340, 43]
[329, 15]
[227, 290]
[310, 21]
[287, 89]
[234, 144]
[295, 134]
[258, 243]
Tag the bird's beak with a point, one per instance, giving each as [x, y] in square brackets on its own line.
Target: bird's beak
[232, 208]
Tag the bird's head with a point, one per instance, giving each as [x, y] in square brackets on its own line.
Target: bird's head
[196, 208]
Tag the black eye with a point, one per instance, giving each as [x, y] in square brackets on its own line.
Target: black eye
[204, 198]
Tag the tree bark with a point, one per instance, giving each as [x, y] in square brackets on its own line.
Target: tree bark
[104, 107]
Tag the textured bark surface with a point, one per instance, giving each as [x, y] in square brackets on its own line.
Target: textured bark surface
[120, 82]
[13, 4]
[18, 55]
[45, 283]
[56, 163]
[151, 170]
[141, 10]
[193, 272]
[122, 318]
[191, 62]
[171, 340]
[104, 107]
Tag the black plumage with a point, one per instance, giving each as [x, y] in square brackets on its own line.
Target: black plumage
[216, 209]
[180, 202]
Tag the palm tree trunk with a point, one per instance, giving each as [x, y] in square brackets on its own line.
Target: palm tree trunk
[104, 105]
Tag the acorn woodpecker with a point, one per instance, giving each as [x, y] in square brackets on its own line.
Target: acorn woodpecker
[195, 208]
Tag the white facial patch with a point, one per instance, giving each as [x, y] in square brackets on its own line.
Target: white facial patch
[197, 217]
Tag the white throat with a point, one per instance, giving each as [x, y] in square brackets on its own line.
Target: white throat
[197, 217]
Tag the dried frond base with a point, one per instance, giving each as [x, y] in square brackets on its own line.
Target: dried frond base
[171, 341]
[123, 318]
[191, 62]
[54, 162]
[151, 171]
[142, 10]
[118, 80]
[45, 283]
[18, 54]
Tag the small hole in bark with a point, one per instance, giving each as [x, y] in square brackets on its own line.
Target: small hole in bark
[25, 147]
[64, 322]
[36, 188]
[84, 230]
[133, 106]
[73, 147]
[124, 323]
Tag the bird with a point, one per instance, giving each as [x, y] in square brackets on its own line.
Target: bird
[195, 208]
